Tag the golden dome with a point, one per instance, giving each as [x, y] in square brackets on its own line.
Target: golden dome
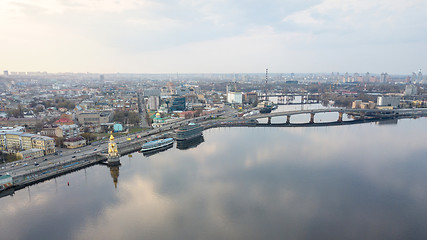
[111, 137]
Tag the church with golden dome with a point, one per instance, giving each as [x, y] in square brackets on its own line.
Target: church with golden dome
[113, 153]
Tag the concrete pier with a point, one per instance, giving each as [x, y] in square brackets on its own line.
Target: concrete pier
[340, 114]
[312, 117]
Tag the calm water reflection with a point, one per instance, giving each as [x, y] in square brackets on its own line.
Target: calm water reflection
[349, 182]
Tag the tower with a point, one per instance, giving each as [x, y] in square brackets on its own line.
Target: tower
[265, 87]
[113, 153]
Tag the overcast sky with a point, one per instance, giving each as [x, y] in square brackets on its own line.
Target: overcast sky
[213, 36]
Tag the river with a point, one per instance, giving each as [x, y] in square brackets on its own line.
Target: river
[365, 181]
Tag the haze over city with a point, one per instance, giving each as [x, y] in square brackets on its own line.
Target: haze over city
[213, 36]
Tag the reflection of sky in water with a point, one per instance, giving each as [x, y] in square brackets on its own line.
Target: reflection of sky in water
[363, 181]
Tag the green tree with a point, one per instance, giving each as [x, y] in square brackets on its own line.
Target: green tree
[59, 141]
[11, 157]
[39, 109]
[119, 116]
[134, 118]
[17, 112]
[88, 136]
[126, 117]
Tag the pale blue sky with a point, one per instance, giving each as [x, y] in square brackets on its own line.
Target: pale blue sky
[195, 36]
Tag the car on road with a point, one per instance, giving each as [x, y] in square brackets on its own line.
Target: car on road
[26, 164]
[94, 149]
[45, 159]
[73, 157]
[36, 164]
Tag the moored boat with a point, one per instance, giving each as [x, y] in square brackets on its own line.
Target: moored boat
[5, 182]
[192, 130]
[156, 144]
[265, 110]
[192, 143]
[155, 151]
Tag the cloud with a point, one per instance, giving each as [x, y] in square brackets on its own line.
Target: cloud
[303, 18]
[358, 15]
[212, 36]
[48, 7]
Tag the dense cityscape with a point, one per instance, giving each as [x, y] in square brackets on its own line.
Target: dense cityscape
[42, 113]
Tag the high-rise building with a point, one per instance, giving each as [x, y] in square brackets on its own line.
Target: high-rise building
[367, 77]
[414, 77]
[6, 73]
[178, 104]
[420, 77]
[231, 87]
[356, 77]
[346, 77]
[153, 103]
[250, 98]
[393, 101]
[410, 90]
[383, 77]
[234, 97]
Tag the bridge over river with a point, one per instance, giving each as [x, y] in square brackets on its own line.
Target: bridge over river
[359, 114]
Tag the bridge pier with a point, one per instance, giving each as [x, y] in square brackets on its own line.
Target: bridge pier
[340, 116]
[288, 119]
[311, 117]
[269, 120]
[362, 115]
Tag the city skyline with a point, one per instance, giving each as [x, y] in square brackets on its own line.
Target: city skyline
[213, 37]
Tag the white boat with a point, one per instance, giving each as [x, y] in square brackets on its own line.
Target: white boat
[156, 144]
[6, 182]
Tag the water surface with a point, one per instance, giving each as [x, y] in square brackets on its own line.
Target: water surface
[366, 181]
